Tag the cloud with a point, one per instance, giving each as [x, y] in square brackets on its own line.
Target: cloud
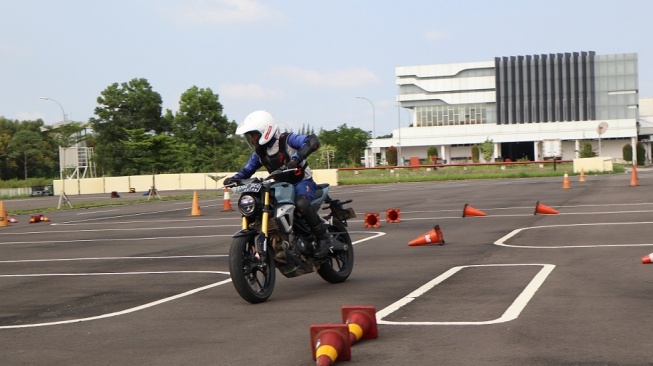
[334, 79]
[194, 12]
[250, 91]
[435, 35]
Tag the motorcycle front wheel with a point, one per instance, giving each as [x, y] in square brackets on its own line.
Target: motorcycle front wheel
[339, 264]
[252, 275]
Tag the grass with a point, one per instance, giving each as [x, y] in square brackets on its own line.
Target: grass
[367, 176]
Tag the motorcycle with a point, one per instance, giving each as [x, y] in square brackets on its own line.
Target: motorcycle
[274, 236]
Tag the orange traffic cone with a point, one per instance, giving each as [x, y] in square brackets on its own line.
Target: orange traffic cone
[226, 204]
[565, 181]
[582, 175]
[634, 182]
[361, 321]
[392, 215]
[3, 215]
[544, 209]
[330, 342]
[372, 220]
[195, 210]
[432, 237]
[471, 211]
[647, 258]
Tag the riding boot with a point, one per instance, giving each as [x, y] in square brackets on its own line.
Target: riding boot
[323, 240]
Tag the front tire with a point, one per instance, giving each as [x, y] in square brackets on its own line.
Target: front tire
[338, 265]
[252, 277]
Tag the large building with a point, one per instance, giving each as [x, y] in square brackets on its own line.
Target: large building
[531, 107]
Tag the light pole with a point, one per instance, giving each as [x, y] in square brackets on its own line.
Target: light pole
[59, 104]
[373, 116]
[62, 198]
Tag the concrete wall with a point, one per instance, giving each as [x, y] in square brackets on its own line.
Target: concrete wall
[597, 164]
[164, 182]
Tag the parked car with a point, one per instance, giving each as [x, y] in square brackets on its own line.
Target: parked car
[42, 191]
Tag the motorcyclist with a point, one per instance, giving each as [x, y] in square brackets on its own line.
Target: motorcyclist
[263, 132]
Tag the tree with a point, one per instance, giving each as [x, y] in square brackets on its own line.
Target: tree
[586, 150]
[201, 124]
[127, 106]
[432, 153]
[25, 146]
[350, 143]
[153, 154]
[487, 149]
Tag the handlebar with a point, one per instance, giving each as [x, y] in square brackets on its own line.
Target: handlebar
[241, 181]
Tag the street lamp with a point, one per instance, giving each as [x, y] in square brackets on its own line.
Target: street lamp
[373, 116]
[62, 161]
[59, 104]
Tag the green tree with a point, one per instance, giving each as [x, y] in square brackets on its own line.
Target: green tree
[432, 153]
[487, 149]
[586, 150]
[154, 154]
[201, 124]
[349, 142]
[25, 146]
[121, 107]
[324, 158]
[627, 152]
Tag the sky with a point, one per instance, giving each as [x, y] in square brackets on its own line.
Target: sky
[311, 63]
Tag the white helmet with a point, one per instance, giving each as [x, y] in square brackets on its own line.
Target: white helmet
[261, 122]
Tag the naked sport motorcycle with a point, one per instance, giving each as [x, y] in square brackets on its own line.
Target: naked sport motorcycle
[275, 237]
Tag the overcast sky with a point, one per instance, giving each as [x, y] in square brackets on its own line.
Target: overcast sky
[306, 61]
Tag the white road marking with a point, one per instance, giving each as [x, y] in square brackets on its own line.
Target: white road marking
[115, 239]
[511, 313]
[141, 307]
[502, 241]
[126, 311]
[113, 258]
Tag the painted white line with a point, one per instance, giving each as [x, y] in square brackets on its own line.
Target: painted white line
[114, 239]
[122, 312]
[511, 313]
[113, 258]
[194, 219]
[376, 235]
[106, 273]
[502, 241]
[141, 307]
[120, 230]
[95, 212]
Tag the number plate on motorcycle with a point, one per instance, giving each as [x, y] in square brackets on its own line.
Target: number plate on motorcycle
[250, 187]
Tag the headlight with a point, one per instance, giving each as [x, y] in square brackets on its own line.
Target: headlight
[247, 205]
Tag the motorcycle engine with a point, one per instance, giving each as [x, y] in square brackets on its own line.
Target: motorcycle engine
[294, 253]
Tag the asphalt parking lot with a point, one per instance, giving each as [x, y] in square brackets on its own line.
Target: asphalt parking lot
[148, 284]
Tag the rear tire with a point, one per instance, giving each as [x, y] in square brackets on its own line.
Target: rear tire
[252, 278]
[338, 265]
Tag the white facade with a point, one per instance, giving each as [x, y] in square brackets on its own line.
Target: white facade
[455, 106]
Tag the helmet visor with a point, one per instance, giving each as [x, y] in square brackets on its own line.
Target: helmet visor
[252, 138]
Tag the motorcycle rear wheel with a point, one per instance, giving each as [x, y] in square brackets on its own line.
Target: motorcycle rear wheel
[253, 278]
[338, 265]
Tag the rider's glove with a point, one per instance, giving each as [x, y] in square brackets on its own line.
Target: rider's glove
[293, 163]
[229, 181]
